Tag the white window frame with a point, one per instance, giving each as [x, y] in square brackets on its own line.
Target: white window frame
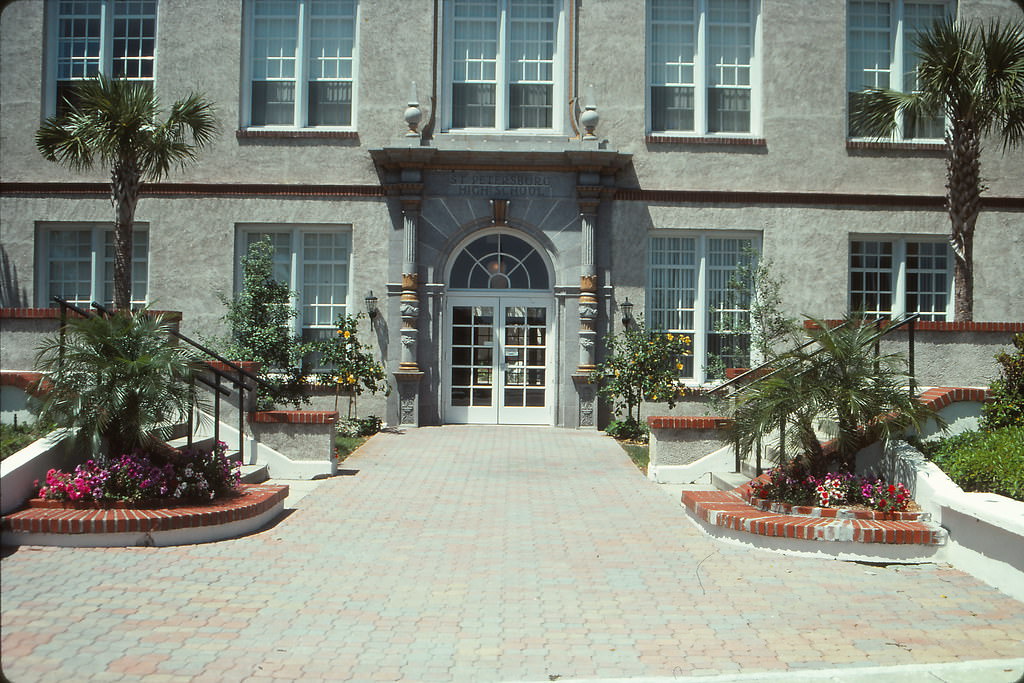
[701, 303]
[100, 266]
[900, 45]
[560, 74]
[295, 283]
[899, 274]
[701, 68]
[106, 52]
[300, 116]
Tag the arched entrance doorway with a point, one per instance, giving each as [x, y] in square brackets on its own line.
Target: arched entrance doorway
[499, 356]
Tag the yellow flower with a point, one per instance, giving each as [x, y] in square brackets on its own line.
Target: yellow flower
[679, 366]
[654, 397]
[669, 336]
[616, 373]
[346, 334]
[351, 379]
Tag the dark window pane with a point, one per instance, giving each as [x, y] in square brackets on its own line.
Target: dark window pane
[728, 110]
[273, 103]
[671, 108]
[530, 106]
[472, 105]
[330, 103]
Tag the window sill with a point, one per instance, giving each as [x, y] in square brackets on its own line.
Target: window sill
[705, 140]
[875, 145]
[244, 134]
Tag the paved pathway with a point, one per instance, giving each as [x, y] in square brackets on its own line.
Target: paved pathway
[481, 554]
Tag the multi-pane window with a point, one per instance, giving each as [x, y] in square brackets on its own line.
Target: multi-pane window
[504, 64]
[696, 287]
[892, 277]
[314, 261]
[881, 54]
[301, 62]
[703, 57]
[115, 38]
[77, 264]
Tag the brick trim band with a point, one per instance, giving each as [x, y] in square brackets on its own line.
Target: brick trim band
[319, 417]
[687, 422]
[940, 326]
[54, 314]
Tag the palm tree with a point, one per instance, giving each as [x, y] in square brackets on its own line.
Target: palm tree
[116, 121]
[116, 383]
[837, 386]
[974, 76]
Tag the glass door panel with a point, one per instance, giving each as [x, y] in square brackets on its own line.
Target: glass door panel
[499, 362]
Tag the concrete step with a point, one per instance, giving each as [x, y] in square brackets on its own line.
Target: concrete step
[727, 481]
[254, 474]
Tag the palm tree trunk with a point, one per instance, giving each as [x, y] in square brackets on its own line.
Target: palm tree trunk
[963, 201]
[125, 183]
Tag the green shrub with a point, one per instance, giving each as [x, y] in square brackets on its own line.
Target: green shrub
[359, 426]
[628, 430]
[991, 461]
[1007, 405]
[15, 437]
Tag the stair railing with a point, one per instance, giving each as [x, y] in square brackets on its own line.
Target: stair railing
[883, 325]
[216, 385]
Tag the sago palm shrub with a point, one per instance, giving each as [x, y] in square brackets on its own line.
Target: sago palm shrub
[837, 388]
[116, 384]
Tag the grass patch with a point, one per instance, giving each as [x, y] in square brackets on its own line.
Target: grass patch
[344, 445]
[639, 453]
[15, 437]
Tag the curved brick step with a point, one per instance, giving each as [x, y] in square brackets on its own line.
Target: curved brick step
[729, 510]
[45, 525]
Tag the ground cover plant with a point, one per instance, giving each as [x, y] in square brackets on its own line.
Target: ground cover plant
[142, 477]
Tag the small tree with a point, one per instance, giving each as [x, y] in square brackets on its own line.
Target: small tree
[261, 318]
[641, 366]
[972, 75]
[117, 121]
[350, 366]
[749, 315]
[117, 383]
[837, 386]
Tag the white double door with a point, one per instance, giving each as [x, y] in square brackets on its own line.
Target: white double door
[498, 363]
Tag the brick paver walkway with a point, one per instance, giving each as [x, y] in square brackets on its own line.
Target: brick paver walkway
[481, 554]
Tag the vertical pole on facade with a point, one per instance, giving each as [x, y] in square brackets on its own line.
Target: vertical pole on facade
[910, 357]
[216, 408]
[241, 418]
[191, 408]
[782, 440]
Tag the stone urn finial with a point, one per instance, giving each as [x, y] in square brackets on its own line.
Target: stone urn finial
[413, 115]
[589, 118]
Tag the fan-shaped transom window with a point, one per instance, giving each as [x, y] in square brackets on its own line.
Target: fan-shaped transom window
[499, 261]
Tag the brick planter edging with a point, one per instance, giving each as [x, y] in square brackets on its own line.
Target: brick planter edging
[252, 501]
[310, 417]
[729, 510]
[688, 422]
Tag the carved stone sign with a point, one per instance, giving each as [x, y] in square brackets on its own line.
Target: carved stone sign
[498, 184]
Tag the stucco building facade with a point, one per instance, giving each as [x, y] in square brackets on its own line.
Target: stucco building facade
[553, 159]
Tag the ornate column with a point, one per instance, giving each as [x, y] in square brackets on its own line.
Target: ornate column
[408, 375]
[588, 285]
[586, 390]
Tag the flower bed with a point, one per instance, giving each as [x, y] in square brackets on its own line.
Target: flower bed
[778, 486]
[146, 479]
